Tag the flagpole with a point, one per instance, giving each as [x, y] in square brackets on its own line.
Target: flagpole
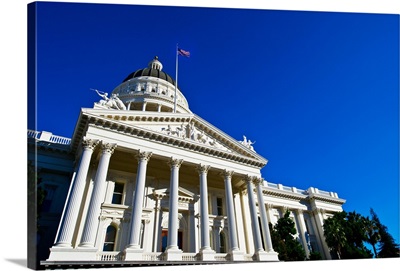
[176, 76]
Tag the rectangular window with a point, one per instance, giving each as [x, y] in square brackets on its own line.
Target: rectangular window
[50, 191]
[219, 206]
[118, 193]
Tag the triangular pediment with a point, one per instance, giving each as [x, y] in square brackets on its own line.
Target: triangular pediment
[183, 130]
[181, 192]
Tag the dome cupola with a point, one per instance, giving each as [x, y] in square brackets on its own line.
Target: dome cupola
[155, 64]
[151, 89]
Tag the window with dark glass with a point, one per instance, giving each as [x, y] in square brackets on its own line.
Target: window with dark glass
[118, 193]
[109, 241]
[219, 206]
[222, 248]
[49, 192]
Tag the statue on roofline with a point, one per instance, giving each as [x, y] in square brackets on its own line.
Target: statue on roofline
[247, 143]
[113, 102]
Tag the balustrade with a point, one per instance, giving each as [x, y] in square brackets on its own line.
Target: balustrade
[52, 138]
[110, 256]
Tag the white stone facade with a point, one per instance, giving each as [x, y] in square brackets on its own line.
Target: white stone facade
[155, 185]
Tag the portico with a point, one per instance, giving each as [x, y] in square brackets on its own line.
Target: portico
[155, 185]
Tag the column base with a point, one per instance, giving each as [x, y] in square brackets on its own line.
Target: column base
[173, 254]
[236, 255]
[133, 254]
[206, 255]
[263, 256]
[72, 254]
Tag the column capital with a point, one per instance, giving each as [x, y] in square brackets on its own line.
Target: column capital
[226, 173]
[258, 181]
[108, 147]
[89, 143]
[173, 162]
[249, 178]
[202, 168]
[143, 155]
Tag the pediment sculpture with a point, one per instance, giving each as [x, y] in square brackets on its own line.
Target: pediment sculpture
[189, 131]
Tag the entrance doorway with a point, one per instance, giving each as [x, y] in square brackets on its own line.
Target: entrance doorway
[164, 239]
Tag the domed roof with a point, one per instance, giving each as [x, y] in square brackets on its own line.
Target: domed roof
[154, 69]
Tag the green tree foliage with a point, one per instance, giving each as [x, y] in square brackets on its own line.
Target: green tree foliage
[315, 255]
[284, 243]
[334, 231]
[387, 246]
[372, 232]
[356, 237]
[345, 234]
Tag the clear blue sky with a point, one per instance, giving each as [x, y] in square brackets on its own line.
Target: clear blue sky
[317, 91]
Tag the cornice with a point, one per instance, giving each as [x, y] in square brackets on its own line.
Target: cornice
[283, 194]
[113, 121]
[49, 146]
[277, 193]
[328, 199]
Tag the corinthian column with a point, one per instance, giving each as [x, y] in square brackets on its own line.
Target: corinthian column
[263, 215]
[98, 194]
[254, 217]
[205, 251]
[136, 218]
[234, 252]
[70, 216]
[303, 231]
[172, 251]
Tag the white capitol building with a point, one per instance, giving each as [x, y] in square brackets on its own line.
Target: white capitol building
[152, 181]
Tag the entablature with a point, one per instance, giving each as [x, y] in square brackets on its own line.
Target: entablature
[210, 142]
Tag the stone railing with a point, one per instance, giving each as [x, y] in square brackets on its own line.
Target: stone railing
[152, 256]
[158, 256]
[295, 190]
[189, 257]
[110, 256]
[313, 190]
[49, 137]
[286, 188]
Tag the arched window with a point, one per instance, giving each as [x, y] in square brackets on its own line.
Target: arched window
[222, 242]
[109, 241]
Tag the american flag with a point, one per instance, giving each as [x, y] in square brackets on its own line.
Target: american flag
[183, 52]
